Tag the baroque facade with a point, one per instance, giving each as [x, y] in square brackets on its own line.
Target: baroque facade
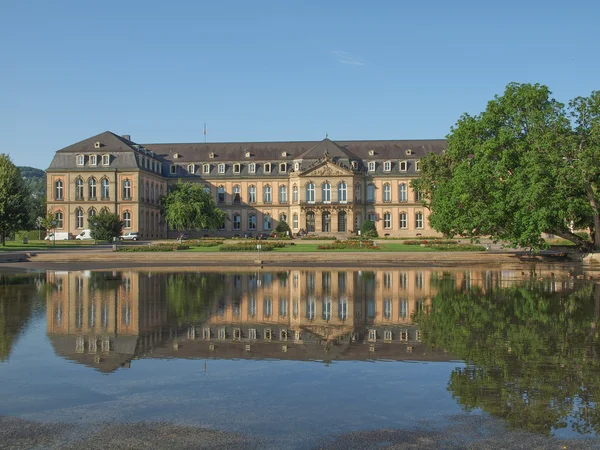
[322, 187]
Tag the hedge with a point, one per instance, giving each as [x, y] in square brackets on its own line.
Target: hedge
[351, 244]
[151, 248]
[210, 243]
[426, 241]
[319, 238]
[458, 247]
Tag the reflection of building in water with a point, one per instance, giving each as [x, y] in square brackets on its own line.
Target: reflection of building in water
[98, 318]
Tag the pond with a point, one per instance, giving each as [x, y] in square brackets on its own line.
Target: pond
[300, 358]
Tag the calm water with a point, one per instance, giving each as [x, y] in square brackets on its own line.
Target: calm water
[298, 355]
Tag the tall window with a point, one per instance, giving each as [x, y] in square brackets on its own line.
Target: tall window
[295, 221]
[237, 222]
[267, 194]
[387, 193]
[327, 309]
[126, 219]
[342, 197]
[326, 193]
[387, 166]
[402, 192]
[357, 192]
[126, 189]
[310, 222]
[310, 192]
[283, 217]
[79, 218]
[78, 189]
[221, 168]
[267, 222]
[58, 190]
[267, 167]
[403, 220]
[372, 216]
[418, 196]
[104, 189]
[342, 221]
[147, 192]
[419, 220]
[372, 166]
[152, 192]
[295, 193]
[106, 160]
[92, 189]
[237, 194]
[236, 168]
[371, 193]
[282, 194]
[206, 169]
[252, 222]
[251, 194]
[326, 222]
[387, 220]
[80, 160]
[252, 168]
[403, 166]
[91, 214]
[58, 218]
[221, 194]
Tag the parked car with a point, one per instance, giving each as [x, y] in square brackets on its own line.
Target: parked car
[85, 234]
[60, 236]
[131, 236]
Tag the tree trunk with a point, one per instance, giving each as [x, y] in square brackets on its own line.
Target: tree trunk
[581, 243]
[594, 204]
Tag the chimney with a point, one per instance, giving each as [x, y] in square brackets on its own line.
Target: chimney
[127, 136]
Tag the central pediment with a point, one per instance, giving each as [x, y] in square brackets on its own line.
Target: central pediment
[326, 169]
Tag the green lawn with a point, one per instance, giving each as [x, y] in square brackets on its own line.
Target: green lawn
[42, 245]
[306, 248]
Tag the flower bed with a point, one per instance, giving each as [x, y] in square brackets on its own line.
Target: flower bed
[428, 241]
[251, 246]
[458, 247]
[207, 243]
[319, 238]
[349, 244]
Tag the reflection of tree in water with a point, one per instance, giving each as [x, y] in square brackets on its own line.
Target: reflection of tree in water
[532, 356]
[191, 295]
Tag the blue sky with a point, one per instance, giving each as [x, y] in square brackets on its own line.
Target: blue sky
[275, 70]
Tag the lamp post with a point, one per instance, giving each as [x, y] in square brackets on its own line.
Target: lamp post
[95, 224]
[38, 222]
[258, 247]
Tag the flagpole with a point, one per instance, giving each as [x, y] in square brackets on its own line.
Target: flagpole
[205, 132]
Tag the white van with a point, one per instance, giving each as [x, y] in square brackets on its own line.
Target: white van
[85, 234]
[60, 236]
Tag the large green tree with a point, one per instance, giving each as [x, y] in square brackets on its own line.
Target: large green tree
[189, 206]
[106, 226]
[13, 196]
[527, 165]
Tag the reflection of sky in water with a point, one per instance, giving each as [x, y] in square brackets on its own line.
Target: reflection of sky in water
[258, 397]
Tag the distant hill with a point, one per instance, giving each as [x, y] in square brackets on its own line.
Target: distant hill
[35, 179]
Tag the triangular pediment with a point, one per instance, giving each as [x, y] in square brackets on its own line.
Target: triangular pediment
[326, 169]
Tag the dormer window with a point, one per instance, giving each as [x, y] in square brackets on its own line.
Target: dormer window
[221, 168]
[372, 166]
[176, 155]
[284, 154]
[283, 167]
[252, 168]
[371, 152]
[191, 168]
[80, 160]
[267, 168]
[417, 166]
[387, 166]
[248, 155]
[297, 167]
[211, 155]
[403, 166]
[105, 160]
[236, 168]
[173, 169]
[354, 164]
[93, 160]
[97, 144]
[408, 151]
[206, 169]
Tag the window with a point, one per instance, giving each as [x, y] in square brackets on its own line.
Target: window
[267, 194]
[207, 189]
[282, 194]
[91, 214]
[403, 220]
[267, 222]
[342, 198]
[206, 169]
[237, 194]
[251, 194]
[326, 193]
[221, 194]
[127, 189]
[93, 160]
[310, 192]
[357, 192]
[252, 222]
[387, 166]
[191, 168]
[417, 166]
[104, 189]
[295, 221]
[79, 218]
[282, 167]
[295, 193]
[372, 216]
[267, 168]
[80, 160]
[252, 334]
[58, 190]
[326, 309]
[387, 335]
[222, 226]
[419, 220]
[173, 169]
[147, 192]
[402, 192]
[237, 222]
[252, 168]
[236, 168]
[370, 193]
[58, 218]
[152, 193]
[296, 167]
[92, 189]
[342, 221]
[326, 222]
[403, 166]
[387, 193]
[78, 189]
[310, 222]
[221, 168]
[418, 196]
[372, 166]
[387, 220]
[343, 308]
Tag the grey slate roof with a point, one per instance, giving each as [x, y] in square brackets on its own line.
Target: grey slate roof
[109, 143]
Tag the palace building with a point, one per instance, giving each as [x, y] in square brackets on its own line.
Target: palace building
[321, 187]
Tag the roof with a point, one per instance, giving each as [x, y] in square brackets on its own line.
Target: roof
[109, 143]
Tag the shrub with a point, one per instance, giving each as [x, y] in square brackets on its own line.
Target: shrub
[426, 241]
[207, 243]
[458, 247]
[320, 238]
[368, 229]
[283, 228]
[349, 244]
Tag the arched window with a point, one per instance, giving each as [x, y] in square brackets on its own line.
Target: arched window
[402, 192]
[237, 194]
[310, 192]
[326, 222]
[220, 194]
[104, 189]
[92, 189]
[78, 189]
[403, 220]
[91, 214]
[342, 197]
[58, 190]
[282, 193]
[267, 223]
[152, 192]
[370, 193]
[357, 192]
[295, 193]
[387, 192]
[126, 219]
[419, 220]
[326, 192]
[267, 194]
[104, 210]
[79, 218]
[310, 222]
[295, 221]
[58, 219]
[296, 167]
[252, 222]
[387, 220]
[342, 221]
[147, 197]
[237, 222]
[126, 189]
[251, 194]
